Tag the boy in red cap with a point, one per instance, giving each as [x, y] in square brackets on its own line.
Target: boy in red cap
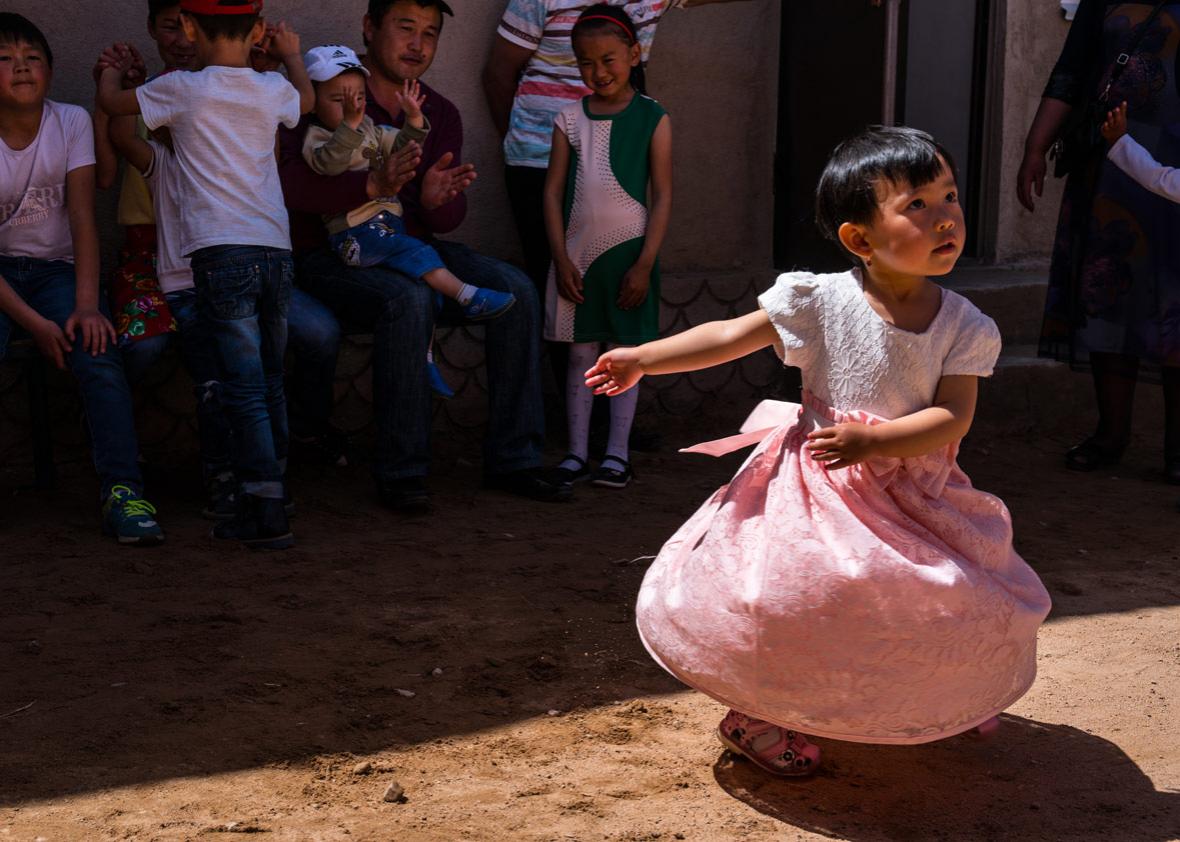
[222, 120]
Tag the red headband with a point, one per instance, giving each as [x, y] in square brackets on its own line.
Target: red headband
[214, 7]
[630, 34]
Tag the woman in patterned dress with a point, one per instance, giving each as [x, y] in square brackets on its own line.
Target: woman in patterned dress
[1114, 286]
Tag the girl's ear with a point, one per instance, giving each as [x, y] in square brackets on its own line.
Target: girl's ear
[852, 237]
[636, 54]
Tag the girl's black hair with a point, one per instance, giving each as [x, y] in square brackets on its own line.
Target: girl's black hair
[847, 190]
[590, 22]
[18, 29]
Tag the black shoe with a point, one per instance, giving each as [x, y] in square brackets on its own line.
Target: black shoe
[543, 485]
[565, 476]
[330, 447]
[1091, 455]
[609, 476]
[408, 495]
[260, 524]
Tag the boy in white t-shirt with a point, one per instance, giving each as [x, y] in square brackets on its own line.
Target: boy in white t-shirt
[222, 120]
[49, 265]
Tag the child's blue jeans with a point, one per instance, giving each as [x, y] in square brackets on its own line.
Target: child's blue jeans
[243, 293]
[48, 286]
[383, 241]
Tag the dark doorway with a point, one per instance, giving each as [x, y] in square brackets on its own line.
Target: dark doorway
[832, 85]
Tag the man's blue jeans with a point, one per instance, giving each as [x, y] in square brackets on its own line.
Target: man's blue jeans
[49, 288]
[243, 294]
[399, 310]
[313, 335]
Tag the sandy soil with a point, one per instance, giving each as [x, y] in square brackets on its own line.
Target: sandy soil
[194, 691]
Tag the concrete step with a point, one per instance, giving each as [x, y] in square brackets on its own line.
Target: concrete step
[1014, 297]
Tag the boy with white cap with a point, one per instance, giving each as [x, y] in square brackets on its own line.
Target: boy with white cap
[345, 139]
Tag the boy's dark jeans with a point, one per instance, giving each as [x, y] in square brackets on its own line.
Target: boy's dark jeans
[49, 287]
[243, 293]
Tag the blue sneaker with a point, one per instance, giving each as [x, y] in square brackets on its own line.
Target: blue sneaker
[487, 304]
[130, 518]
[437, 384]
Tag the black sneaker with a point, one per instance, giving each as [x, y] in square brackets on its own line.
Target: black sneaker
[407, 495]
[541, 484]
[260, 523]
[330, 447]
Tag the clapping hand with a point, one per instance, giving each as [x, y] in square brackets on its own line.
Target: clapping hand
[615, 372]
[1115, 125]
[442, 182]
[399, 168]
[354, 107]
[410, 99]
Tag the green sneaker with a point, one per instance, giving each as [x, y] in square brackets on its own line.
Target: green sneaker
[130, 518]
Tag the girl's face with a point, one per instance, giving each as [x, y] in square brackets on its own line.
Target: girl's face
[176, 50]
[24, 75]
[918, 230]
[605, 61]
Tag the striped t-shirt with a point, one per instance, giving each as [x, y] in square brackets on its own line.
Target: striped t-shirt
[551, 79]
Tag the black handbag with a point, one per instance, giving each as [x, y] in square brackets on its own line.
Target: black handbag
[1081, 135]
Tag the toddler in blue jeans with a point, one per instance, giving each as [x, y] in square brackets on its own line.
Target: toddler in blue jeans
[49, 266]
[222, 122]
[344, 139]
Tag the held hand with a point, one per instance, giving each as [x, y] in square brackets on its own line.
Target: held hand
[442, 182]
[615, 372]
[354, 109]
[569, 280]
[399, 169]
[51, 342]
[95, 329]
[284, 42]
[125, 59]
[633, 290]
[410, 99]
[1031, 178]
[843, 445]
[1115, 125]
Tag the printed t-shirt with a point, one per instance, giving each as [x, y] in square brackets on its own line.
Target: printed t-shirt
[33, 217]
[551, 79]
[223, 122]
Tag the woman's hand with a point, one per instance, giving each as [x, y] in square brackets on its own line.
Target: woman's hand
[569, 280]
[615, 372]
[843, 445]
[95, 329]
[1115, 125]
[51, 342]
[1031, 178]
[633, 289]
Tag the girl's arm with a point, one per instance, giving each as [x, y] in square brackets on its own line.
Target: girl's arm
[104, 151]
[703, 346]
[125, 138]
[48, 336]
[1138, 163]
[95, 328]
[569, 280]
[634, 287]
[922, 432]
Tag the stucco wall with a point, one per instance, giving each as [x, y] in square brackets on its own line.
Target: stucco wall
[714, 68]
[1036, 30]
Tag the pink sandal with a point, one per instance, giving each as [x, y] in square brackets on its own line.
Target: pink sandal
[769, 747]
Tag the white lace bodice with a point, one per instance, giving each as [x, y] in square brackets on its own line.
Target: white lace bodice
[852, 359]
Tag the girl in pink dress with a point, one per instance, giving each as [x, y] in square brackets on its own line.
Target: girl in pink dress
[849, 582]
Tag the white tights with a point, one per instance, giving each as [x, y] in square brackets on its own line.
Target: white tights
[579, 401]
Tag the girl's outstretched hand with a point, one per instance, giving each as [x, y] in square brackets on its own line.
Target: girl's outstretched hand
[615, 372]
[842, 446]
[1115, 125]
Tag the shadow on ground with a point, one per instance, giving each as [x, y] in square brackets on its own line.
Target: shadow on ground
[1009, 786]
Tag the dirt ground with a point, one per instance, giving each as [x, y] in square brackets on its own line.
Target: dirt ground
[484, 659]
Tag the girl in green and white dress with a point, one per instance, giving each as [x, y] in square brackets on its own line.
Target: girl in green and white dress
[608, 149]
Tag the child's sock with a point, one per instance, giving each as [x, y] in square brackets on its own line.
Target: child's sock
[466, 293]
[622, 415]
[579, 401]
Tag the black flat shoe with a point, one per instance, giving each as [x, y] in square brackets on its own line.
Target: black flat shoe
[1091, 455]
[567, 476]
